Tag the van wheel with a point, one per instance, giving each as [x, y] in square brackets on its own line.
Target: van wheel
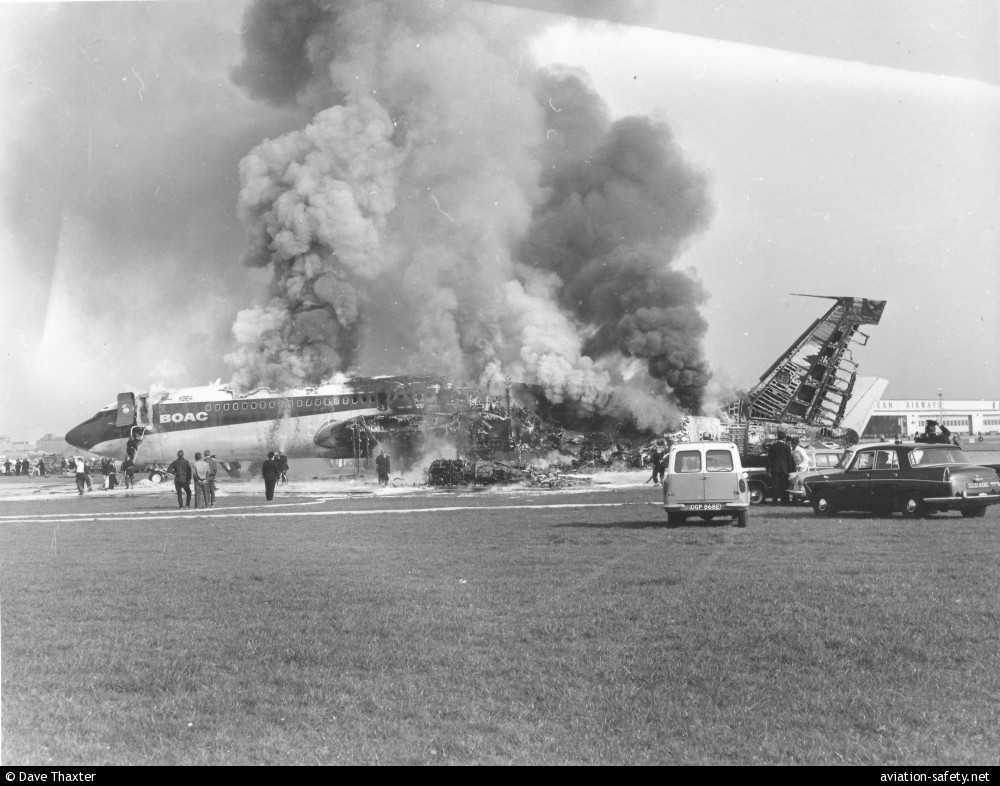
[675, 519]
[913, 507]
[156, 476]
[741, 518]
[973, 513]
[822, 506]
[756, 493]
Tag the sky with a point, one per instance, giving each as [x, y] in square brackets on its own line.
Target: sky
[160, 185]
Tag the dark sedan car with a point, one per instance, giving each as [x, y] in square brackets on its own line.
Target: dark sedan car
[912, 478]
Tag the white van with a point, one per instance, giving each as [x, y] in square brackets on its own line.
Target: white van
[705, 479]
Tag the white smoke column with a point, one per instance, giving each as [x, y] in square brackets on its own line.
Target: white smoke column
[451, 210]
[388, 221]
[314, 203]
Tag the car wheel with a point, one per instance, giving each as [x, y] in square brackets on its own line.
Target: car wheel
[973, 513]
[756, 493]
[156, 476]
[741, 518]
[822, 506]
[913, 507]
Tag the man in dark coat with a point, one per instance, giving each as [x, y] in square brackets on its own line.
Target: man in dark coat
[933, 435]
[133, 442]
[128, 470]
[381, 469]
[270, 470]
[656, 456]
[780, 464]
[182, 472]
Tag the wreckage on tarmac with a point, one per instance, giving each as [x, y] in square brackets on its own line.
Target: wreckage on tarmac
[812, 390]
[809, 390]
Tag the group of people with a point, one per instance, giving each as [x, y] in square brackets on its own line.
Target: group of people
[22, 467]
[201, 472]
[784, 457]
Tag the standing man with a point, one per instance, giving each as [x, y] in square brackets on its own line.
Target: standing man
[381, 469]
[213, 469]
[270, 470]
[6, 467]
[80, 467]
[656, 456]
[780, 464]
[200, 468]
[800, 456]
[181, 469]
[128, 470]
[282, 466]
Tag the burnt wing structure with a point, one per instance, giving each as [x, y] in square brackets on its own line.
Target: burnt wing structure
[812, 382]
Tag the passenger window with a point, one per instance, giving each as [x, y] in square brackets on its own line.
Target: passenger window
[687, 461]
[865, 461]
[719, 461]
[886, 460]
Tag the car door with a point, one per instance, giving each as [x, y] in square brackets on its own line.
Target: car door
[687, 476]
[852, 486]
[720, 475]
[883, 479]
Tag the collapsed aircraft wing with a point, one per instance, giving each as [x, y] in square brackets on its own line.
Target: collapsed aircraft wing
[812, 382]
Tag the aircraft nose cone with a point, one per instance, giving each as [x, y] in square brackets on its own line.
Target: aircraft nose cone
[83, 436]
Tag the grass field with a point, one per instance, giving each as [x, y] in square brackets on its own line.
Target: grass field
[499, 635]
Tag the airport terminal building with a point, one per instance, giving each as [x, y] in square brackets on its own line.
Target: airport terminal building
[966, 418]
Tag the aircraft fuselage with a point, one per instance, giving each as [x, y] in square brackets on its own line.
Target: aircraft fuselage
[303, 423]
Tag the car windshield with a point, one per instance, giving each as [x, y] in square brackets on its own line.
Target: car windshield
[845, 460]
[924, 457]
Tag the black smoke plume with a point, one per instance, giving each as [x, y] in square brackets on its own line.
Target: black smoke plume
[453, 209]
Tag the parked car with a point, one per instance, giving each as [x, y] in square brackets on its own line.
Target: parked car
[705, 479]
[910, 478]
[762, 488]
[821, 462]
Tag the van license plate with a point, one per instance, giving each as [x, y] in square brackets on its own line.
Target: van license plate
[705, 506]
